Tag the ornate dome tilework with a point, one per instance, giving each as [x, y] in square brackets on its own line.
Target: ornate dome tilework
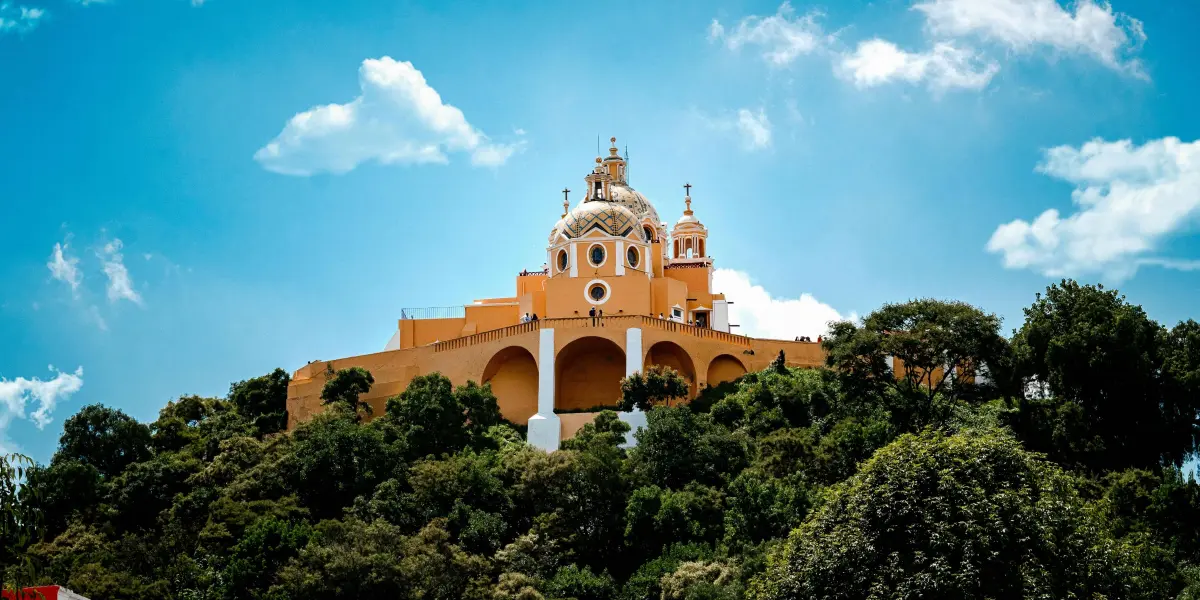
[609, 217]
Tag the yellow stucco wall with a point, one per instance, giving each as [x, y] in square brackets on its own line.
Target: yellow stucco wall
[589, 361]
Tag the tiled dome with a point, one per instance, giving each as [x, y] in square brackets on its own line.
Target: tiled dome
[610, 217]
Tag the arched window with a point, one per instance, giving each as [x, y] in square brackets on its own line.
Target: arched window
[646, 229]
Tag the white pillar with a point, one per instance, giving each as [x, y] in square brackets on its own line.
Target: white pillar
[633, 363]
[620, 256]
[544, 429]
[574, 262]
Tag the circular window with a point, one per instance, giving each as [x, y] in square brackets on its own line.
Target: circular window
[632, 256]
[562, 260]
[596, 254]
[597, 291]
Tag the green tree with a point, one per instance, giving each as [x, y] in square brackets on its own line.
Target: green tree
[942, 347]
[20, 523]
[658, 384]
[970, 515]
[334, 459]
[433, 417]
[265, 548]
[263, 400]
[678, 446]
[346, 387]
[1120, 390]
[105, 438]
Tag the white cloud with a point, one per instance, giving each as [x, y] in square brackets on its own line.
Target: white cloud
[755, 128]
[44, 395]
[397, 119]
[877, 62]
[751, 127]
[120, 285]
[783, 36]
[19, 19]
[1026, 25]
[758, 314]
[65, 268]
[1128, 200]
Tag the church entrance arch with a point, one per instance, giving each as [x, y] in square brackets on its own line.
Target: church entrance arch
[513, 373]
[724, 368]
[588, 374]
[673, 355]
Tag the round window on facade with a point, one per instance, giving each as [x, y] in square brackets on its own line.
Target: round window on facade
[562, 260]
[632, 256]
[597, 292]
[596, 254]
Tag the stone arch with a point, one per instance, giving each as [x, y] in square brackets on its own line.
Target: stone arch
[588, 373]
[724, 368]
[673, 355]
[513, 373]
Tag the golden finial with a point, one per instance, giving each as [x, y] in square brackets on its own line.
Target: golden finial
[687, 198]
[566, 202]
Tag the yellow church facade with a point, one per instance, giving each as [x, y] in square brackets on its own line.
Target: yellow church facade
[619, 292]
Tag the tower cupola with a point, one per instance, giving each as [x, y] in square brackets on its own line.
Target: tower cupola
[689, 237]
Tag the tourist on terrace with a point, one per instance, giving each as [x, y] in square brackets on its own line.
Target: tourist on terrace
[592, 314]
[534, 317]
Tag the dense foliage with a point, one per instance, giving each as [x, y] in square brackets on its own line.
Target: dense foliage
[1055, 476]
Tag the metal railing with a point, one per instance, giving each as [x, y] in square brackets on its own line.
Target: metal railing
[434, 312]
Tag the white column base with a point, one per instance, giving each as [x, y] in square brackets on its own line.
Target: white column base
[544, 432]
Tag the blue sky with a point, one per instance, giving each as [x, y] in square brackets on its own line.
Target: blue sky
[196, 193]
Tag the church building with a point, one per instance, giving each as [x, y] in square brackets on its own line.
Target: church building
[620, 291]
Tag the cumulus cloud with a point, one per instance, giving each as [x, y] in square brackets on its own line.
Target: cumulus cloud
[120, 284]
[1128, 199]
[43, 396]
[962, 37]
[19, 19]
[398, 119]
[1028, 25]
[782, 37]
[65, 268]
[759, 314]
[877, 62]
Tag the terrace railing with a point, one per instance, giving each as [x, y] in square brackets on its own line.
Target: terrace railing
[434, 312]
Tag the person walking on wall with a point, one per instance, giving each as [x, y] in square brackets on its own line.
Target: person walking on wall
[592, 314]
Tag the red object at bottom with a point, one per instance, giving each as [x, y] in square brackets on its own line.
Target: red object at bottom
[45, 592]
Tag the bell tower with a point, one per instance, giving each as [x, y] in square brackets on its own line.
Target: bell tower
[689, 237]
